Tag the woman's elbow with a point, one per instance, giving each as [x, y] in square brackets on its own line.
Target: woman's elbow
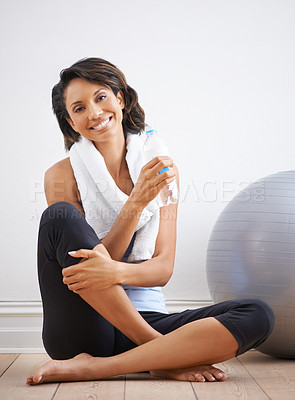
[166, 275]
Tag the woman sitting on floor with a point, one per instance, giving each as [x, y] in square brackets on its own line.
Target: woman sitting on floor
[105, 249]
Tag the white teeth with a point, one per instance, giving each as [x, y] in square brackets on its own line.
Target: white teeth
[101, 125]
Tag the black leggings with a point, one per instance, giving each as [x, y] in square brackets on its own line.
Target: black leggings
[71, 326]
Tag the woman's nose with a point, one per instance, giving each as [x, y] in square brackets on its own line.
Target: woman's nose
[94, 112]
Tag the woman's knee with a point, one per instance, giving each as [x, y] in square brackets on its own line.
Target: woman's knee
[263, 316]
[255, 320]
[251, 321]
[60, 211]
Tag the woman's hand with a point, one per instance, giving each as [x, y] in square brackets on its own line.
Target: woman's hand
[151, 180]
[95, 272]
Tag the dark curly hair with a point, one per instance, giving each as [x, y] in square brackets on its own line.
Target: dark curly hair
[97, 70]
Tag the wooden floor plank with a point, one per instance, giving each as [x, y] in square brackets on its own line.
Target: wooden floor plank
[240, 385]
[13, 381]
[6, 360]
[111, 389]
[145, 387]
[275, 376]
[251, 376]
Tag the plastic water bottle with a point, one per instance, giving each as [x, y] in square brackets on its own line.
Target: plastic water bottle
[154, 147]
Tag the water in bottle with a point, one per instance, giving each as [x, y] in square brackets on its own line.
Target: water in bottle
[154, 147]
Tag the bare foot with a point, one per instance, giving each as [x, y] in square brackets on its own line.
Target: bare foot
[199, 373]
[74, 369]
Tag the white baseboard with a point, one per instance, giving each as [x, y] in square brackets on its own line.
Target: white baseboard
[174, 306]
[21, 322]
[20, 327]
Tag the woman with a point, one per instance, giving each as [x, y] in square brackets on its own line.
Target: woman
[105, 248]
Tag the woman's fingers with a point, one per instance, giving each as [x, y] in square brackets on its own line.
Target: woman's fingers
[162, 184]
[160, 176]
[161, 166]
[76, 286]
[69, 276]
[155, 175]
[73, 269]
[157, 166]
[155, 161]
[83, 253]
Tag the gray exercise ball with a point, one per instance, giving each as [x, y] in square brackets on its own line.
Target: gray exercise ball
[251, 254]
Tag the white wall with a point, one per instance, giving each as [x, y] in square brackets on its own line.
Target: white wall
[215, 77]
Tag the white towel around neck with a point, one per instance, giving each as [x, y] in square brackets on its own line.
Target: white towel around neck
[102, 200]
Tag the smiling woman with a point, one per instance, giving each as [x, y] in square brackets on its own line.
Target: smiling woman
[106, 76]
[94, 110]
[105, 248]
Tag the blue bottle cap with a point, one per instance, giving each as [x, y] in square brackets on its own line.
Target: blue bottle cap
[150, 131]
[163, 170]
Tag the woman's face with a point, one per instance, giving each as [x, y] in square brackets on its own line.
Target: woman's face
[95, 112]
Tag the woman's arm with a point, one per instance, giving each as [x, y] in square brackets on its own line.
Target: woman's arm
[95, 274]
[60, 185]
[113, 303]
[147, 187]
[158, 270]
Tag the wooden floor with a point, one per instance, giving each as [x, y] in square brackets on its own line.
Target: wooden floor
[251, 376]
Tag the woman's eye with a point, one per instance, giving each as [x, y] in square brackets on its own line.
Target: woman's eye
[78, 109]
[102, 97]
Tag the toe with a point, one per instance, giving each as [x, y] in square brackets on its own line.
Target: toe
[34, 380]
[37, 379]
[210, 377]
[29, 380]
[218, 374]
[222, 377]
[199, 378]
[191, 378]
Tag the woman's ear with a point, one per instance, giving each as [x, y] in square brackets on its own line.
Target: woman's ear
[72, 124]
[120, 98]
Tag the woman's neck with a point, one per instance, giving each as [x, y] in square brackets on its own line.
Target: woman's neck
[114, 152]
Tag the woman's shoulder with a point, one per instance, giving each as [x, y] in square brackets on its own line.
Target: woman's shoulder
[61, 168]
[60, 184]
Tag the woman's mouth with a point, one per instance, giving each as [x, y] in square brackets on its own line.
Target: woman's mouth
[99, 126]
